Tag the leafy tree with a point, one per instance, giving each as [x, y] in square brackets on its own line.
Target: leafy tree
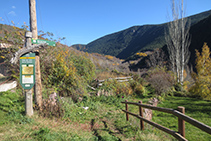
[202, 85]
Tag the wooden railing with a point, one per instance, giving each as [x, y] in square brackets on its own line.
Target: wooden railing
[180, 113]
[119, 79]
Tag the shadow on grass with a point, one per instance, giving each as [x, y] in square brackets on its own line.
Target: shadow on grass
[106, 129]
[192, 105]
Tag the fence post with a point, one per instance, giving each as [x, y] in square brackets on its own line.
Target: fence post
[142, 115]
[181, 122]
[126, 108]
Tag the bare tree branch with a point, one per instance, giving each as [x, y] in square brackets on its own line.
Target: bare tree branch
[22, 51]
[178, 40]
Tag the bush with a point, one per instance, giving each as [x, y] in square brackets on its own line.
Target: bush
[117, 87]
[52, 109]
[66, 72]
[160, 80]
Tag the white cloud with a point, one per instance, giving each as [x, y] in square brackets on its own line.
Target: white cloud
[1, 19]
[13, 7]
[12, 13]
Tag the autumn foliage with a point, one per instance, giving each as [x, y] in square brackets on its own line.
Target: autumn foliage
[66, 71]
[202, 78]
[141, 54]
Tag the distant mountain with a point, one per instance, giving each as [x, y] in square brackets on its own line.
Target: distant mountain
[79, 46]
[200, 33]
[126, 43]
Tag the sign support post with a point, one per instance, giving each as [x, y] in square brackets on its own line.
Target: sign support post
[33, 29]
[27, 76]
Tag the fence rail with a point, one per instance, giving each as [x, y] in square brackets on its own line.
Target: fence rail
[180, 113]
[119, 79]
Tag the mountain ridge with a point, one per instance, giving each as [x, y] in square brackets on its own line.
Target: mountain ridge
[127, 42]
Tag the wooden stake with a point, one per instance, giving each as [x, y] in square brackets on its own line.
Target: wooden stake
[181, 122]
[33, 29]
[141, 113]
[126, 108]
[28, 93]
[28, 102]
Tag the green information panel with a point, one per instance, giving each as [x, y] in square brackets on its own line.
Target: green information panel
[27, 70]
[40, 41]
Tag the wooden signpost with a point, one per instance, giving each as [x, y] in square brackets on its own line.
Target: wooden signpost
[29, 63]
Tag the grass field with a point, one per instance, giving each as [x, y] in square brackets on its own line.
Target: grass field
[104, 120]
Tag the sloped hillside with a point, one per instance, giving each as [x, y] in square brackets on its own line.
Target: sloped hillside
[200, 33]
[127, 42]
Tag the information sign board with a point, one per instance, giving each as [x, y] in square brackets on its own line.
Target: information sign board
[27, 70]
[40, 41]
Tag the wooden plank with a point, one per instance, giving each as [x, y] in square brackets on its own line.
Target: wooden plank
[194, 122]
[160, 127]
[117, 78]
[166, 110]
[91, 87]
[188, 119]
[122, 77]
[122, 80]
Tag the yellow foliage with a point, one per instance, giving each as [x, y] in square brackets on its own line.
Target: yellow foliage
[123, 88]
[87, 54]
[139, 89]
[109, 57]
[202, 85]
[184, 73]
[142, 54]
[132, 62]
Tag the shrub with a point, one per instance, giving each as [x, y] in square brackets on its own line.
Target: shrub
[117, 87]
[138, 88]
[160, 80]
[51, 109]
[66, 72]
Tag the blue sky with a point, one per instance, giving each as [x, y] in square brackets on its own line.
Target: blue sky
[82, 21]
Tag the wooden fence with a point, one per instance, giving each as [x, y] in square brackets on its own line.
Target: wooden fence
[180, 113]
[119, 79]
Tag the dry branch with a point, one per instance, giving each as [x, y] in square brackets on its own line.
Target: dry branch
[22, 51]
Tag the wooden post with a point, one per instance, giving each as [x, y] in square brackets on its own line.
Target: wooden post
[28, 93]
[33, 18]
[28, 102]
[33, 29]
[181, 123]
[126, 108]
[142, 115]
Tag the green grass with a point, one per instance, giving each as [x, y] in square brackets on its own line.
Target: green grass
[104, 120]
[195, 108]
